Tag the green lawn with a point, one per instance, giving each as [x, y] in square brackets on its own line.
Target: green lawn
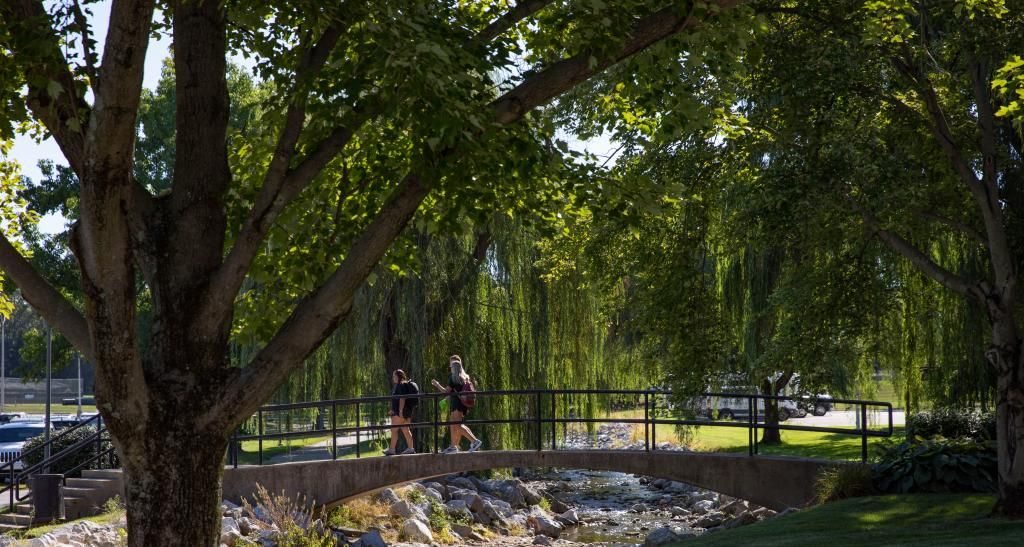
[40, 408]
[249, 454]
[807, 444]
[923, 519]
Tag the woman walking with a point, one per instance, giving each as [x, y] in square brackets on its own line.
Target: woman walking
[401, 411]
[459, 382]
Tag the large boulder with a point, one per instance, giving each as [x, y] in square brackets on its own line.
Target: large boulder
[473, 501]
[466, 532]
[530, 495]
[406, 510]
[510, 493]
[568, 518]
[661, 536]
[370, 539]
[703, 507]
[542, 524]
[541, 539]
[415, 530]
[434, 495]
[388, 496]
[734, 507]
[463, 483]
[742, 519]
[229, 531]
[439, 487]
[459, 508]
[710, 520]
[558, 505]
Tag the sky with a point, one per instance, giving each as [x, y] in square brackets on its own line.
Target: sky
[28, 152]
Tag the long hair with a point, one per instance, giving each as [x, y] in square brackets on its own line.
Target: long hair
[402, 377]
[458, 375]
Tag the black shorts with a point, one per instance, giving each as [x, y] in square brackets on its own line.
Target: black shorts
[455, 404]
[406, 412]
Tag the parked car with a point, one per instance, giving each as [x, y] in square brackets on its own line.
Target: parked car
[7, 417]
[12, 440]
[819, 405]
[738, 408]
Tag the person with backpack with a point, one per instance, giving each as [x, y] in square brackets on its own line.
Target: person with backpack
[462, 398]
[401, 411]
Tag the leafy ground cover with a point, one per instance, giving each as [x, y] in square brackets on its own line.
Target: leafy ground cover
[920, 519]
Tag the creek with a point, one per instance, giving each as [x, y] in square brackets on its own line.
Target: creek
[614, 508]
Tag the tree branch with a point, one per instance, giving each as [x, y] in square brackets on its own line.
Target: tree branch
[438, 310]
[52, 305]
[52, 91]
[316, 316]
[281, 185]
[87, 52]
[523, 9]
[917, 257]
[565, 74]
[956, 225]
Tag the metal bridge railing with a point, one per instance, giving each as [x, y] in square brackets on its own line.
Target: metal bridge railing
[541, 415]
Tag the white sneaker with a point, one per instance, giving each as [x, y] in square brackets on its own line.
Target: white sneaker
[389, 452]
[409, 451]
[475, 445]
[450, 450]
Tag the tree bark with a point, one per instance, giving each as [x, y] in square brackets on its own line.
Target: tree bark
[1007, 357]
[172, 490]
[771, 408]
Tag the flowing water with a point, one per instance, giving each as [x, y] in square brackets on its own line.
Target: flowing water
[604, 499]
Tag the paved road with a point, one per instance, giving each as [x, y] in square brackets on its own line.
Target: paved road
[848, 418]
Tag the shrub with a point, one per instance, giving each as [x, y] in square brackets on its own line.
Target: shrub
[845, 481]
[62, 441]
[937, 465]
[951, 424]
[298, 523]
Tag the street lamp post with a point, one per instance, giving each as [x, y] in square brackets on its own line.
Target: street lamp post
[79, 360]
[49, 360]
[3, 363]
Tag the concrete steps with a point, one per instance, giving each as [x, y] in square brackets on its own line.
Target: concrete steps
[83, 497]
[86, 496]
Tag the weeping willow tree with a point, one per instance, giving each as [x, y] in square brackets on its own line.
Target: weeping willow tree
[934, 341]
[488, 296]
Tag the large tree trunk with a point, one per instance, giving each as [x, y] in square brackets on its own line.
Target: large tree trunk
[771, 408]
[1007, 357]
[173, 492]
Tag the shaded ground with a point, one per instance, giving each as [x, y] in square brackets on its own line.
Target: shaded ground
[921, 519]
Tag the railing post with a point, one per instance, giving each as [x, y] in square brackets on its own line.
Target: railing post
[437, 411]
[864, 433]
[358, 426]
[334, 427]
[99, 442]
[654, 422]
[647, 423]
[259, 436]
[537, 418]
[754, 417]
[750, 426]
[554, 422]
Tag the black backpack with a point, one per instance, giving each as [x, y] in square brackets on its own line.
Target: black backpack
[411, 402]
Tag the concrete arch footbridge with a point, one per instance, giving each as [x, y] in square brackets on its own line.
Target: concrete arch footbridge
[771, 481]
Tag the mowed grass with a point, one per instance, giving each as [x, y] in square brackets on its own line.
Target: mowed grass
[897, 520]
[249, 453]
[723, 438]
[40, 408]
